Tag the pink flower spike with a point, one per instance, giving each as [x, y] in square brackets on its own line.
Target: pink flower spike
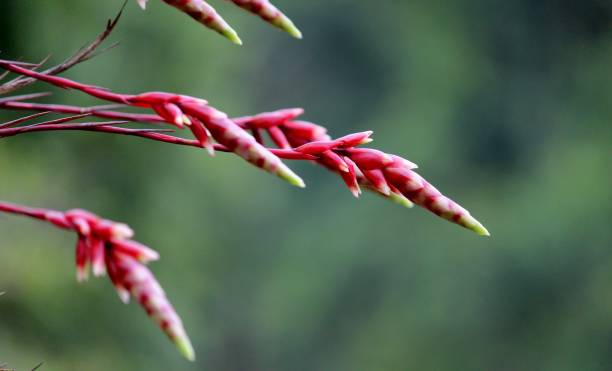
[419, 191]
[144, 287]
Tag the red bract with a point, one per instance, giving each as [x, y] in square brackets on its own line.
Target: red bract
[107, 247]
[389, 175]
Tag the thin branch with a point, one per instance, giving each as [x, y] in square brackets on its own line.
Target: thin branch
[23, 119]
[82, 55]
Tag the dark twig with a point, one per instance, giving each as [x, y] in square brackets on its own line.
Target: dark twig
[83, 54]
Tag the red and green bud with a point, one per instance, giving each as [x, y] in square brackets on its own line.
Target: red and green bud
[237, 140]
[270, 14]
[419, 191]
[205, 14]
[132, 276]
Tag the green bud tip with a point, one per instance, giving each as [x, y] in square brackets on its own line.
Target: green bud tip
[186, 349]
[288, 26]
[291, 177]
[400, 199]
[472, 224]
[232, 36]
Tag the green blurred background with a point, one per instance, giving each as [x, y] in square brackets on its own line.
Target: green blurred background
[506, 106]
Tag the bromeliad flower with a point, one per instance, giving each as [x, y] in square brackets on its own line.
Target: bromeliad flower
[106, 246]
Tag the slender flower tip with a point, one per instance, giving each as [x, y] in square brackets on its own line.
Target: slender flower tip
[401, 200]
[232, 36]
[287, 174]
[288, 26]
[472, 224]
[183, 344]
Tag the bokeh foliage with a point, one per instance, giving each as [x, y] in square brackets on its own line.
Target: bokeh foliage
[506, 105]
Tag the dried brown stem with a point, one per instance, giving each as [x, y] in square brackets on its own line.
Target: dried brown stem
[82, 55]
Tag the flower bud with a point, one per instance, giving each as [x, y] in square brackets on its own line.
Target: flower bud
[226, 132]
[205, 14]
[142, 285]
[270, 14]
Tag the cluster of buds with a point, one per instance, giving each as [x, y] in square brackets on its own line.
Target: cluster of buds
[390, 176]
[205, 14]
[107, 247]
[204, 121]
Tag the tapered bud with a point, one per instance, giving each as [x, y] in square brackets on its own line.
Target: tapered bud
[334, 161]
[143, 286]
[226, 132]
[271, 14]
[377, 180]
[350, 178]
[419, 191]
[202, 135]
[206, 15]
[171, 113]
